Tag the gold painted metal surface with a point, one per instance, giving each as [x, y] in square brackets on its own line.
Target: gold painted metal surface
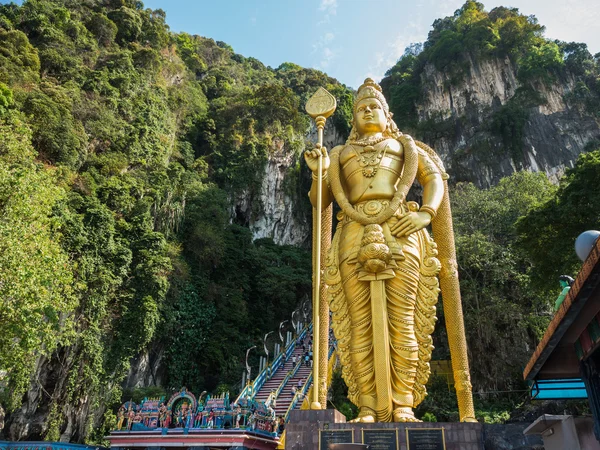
[320, 106]
[381, 271]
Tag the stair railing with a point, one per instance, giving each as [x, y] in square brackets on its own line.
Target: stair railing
[307, 388]
[291, 373]
[285, 355]
[251, 389]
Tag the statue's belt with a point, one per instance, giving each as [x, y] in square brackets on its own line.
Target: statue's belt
[372, 208]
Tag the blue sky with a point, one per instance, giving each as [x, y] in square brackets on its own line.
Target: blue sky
[352, 39]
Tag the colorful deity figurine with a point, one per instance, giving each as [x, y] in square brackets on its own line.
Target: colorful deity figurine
[179, 418]
[120, 417]
[190, 417]
[130, 417]
[238, 415]
[169, 418]
[162, 415]
[211, 419]
[138, 416]
[198, 420]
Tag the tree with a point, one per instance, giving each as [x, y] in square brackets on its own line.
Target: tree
[548, 232]
[35, 273]
[503, 311]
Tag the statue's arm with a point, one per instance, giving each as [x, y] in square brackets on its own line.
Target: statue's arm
[326, 195]
[430, 178]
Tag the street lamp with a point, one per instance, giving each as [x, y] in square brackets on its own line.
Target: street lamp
[280, 327]
[265, 344]
[305, 308]
[247, 365]
[294, 322]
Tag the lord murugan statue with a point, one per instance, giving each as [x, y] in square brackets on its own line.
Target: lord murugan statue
[382, 272]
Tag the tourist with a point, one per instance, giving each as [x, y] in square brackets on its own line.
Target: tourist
[281, 427]
[294, 360]
[294, 390]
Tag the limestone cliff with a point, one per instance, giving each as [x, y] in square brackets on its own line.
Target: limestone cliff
[277, 211]
[459, 117]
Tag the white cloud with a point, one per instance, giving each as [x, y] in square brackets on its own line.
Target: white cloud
[322, 48]
[327, 55]
[329, 6]
[384, 60]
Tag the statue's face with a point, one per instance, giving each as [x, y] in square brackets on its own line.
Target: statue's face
[369, 116]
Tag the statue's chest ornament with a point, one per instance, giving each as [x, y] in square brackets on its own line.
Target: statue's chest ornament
[369, 158]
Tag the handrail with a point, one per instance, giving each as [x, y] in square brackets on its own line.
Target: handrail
[288, 350]
[332, 359]
[287, 378]
[307, 396]
[252, 388]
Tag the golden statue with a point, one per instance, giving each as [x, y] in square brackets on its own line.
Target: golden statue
[380, 273]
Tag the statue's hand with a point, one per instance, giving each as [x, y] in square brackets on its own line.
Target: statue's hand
[312, 158]
[410, 222]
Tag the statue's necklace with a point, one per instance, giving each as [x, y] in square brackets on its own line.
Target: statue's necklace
[404, 182]
[369, 159]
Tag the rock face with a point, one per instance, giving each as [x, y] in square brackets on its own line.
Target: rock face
[459, 122]
[456, 115]
[146, 368]
[276, 212]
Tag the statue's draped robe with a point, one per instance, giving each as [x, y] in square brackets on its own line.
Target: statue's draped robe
[410, 292]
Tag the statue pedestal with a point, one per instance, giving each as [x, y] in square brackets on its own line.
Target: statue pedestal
[315, 429]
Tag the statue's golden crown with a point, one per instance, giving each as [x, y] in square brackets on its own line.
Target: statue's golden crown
[370, 89]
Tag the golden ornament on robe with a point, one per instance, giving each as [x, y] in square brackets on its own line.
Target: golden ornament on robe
[382, 271]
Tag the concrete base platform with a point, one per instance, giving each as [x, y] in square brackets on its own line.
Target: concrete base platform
[312, 430]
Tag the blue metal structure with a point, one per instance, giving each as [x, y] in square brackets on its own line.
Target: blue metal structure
[561, 389]
[251, 389]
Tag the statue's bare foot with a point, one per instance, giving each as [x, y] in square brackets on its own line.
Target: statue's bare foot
[366, 415]
[404, 414]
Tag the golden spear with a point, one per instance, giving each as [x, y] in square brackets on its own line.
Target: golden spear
[320, 106]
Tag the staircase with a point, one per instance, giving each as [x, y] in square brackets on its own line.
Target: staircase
[285, 396]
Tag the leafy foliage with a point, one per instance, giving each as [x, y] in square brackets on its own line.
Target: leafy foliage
[473, 33]
[36, 280]
[504, 313]
[548, 232]
[123, 146]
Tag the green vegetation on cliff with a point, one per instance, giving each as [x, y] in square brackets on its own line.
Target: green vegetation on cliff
[123, 146]
[472, 34]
